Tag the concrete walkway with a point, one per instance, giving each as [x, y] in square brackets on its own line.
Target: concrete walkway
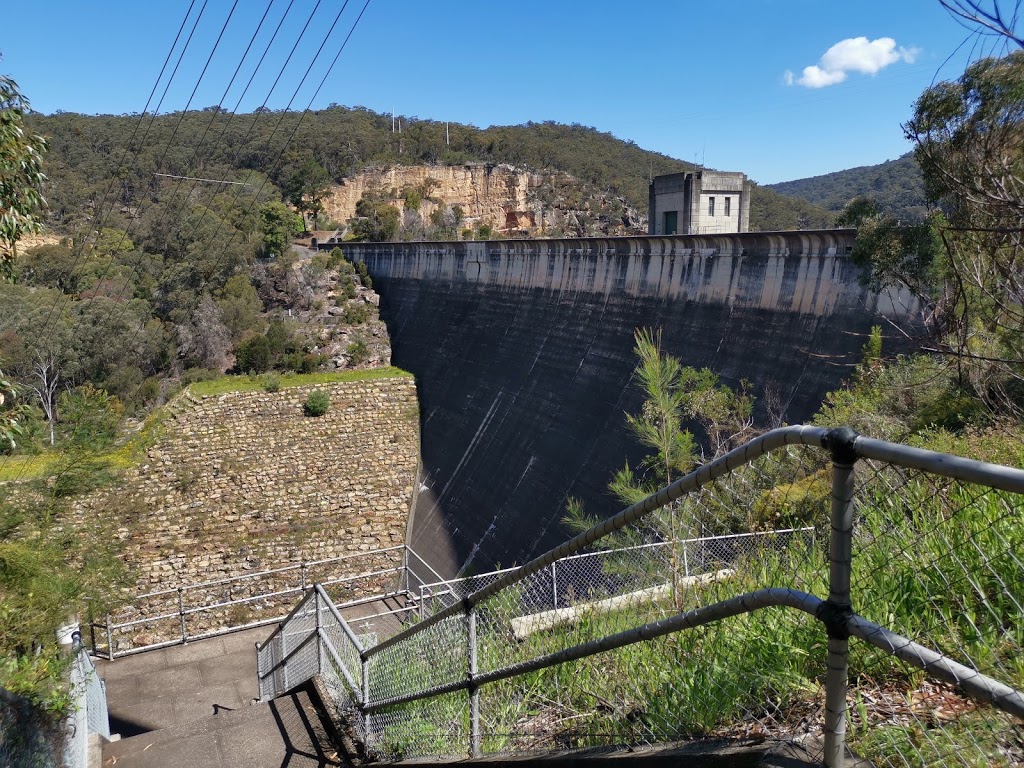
[194, 705]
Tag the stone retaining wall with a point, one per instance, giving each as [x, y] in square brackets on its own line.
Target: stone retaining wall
[244, 482]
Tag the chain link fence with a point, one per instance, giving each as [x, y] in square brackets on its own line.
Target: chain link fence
[894, 627]
[591, 576]
[939, 560]
[89, 713]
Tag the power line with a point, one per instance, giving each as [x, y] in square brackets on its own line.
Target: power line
[47, 327]
[134, 272]
[196, 178]
[287, 143]
[124, 234]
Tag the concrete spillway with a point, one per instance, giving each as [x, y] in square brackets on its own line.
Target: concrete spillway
[522, 352]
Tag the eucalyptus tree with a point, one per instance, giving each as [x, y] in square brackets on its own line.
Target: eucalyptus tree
[21, 174]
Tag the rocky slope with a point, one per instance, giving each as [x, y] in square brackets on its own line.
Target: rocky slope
[334, 306]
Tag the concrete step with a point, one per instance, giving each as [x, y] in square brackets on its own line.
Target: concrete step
[286, 731]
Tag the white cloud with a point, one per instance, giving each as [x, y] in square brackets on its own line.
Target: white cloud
[855, 54]
[818, 77]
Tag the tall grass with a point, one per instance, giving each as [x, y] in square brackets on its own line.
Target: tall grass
[939, 563]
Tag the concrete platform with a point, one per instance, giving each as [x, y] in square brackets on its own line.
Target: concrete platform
[195, 705]
[165, 687]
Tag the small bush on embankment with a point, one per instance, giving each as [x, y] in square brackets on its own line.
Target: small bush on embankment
[317, 404]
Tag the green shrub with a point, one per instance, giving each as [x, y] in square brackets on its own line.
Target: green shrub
[803, 502]
[149, 391]
[253, 356]
[89, 417]
[335, 258]
[271, 382]
[355, 314]
[317, 403]
[302, 362]
[78, 473]
[347, 289]
[358, 352]
[364, 275]
[413, 199]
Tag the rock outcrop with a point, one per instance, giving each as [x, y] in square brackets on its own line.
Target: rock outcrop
[508, 200]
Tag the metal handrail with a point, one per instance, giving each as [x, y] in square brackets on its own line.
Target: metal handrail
[289, 617]
[835, 613]
[770, 441]
[973, 471]
[430, 568]
[980, 686]
[269, 572]
[284, 660]
[182, 611]
[338, 617]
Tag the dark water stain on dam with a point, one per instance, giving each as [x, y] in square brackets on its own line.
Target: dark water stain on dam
[523, 357]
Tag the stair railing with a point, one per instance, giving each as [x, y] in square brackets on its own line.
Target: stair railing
[467, 646]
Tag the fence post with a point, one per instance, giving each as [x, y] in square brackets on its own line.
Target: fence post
[110, 639]
[554, 584]
[404, 581]
[474, 692]
[181, 614]
[319, 635]
[302, 575]
[686, 561]
[365, 703]
[840, 443]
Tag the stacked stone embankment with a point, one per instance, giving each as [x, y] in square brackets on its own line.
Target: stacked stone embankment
[244, 482]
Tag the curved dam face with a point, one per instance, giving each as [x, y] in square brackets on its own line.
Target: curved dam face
[523, 357]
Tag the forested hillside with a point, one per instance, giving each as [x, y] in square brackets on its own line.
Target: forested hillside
[285, 152]
[896, 185]
[170, 256]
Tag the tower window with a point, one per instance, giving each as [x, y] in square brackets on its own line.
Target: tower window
[711, 206]
[728, 205]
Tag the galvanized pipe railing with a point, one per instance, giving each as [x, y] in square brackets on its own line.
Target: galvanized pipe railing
[980, 686]
[836, 613]
[183, 611]
[449, 587]
[777, 438]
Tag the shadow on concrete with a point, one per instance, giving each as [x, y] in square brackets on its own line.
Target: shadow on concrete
[127, 728]
[303, 731]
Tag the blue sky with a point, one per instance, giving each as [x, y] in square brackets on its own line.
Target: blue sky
[726, 83]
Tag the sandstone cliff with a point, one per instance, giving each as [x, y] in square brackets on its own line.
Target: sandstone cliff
[508, 200]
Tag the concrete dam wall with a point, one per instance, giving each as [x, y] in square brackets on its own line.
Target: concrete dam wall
[522, 352]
